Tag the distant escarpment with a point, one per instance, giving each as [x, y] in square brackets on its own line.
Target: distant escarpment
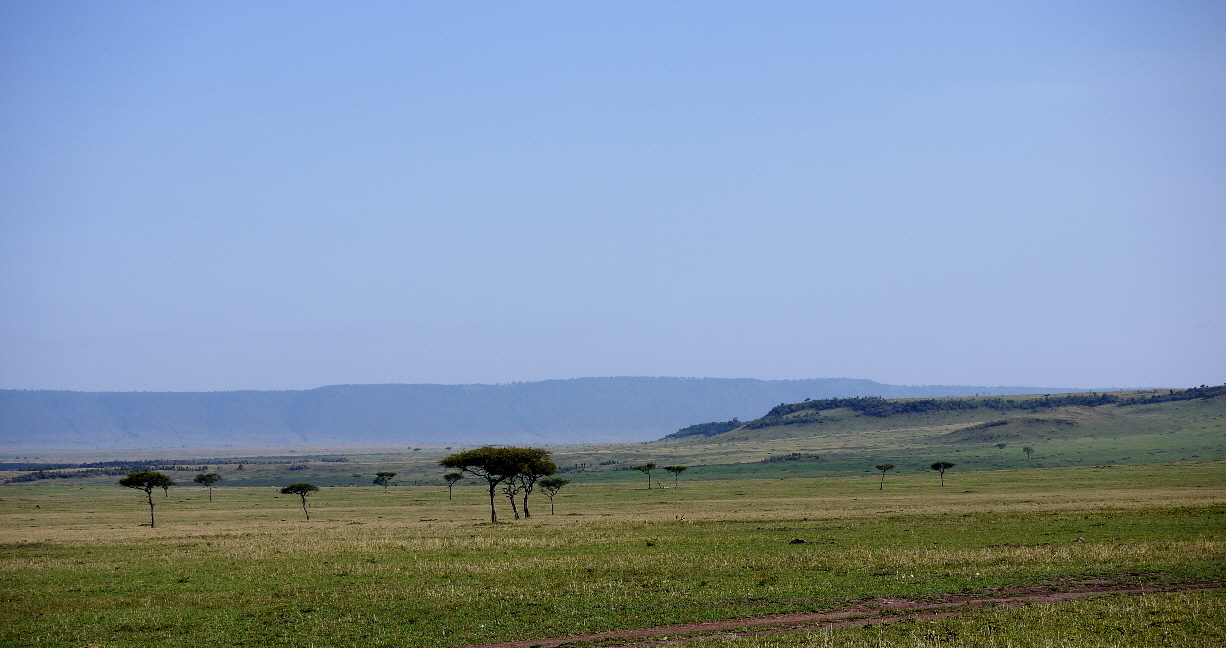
[551, 411]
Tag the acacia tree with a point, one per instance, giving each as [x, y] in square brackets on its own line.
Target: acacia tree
[511, 488]
[301, 490]
[1000, 446]
[147, 481]
[494, 465]
[1029, 451]
[646, 470]
[384, 478]
[538, 465]
[884, 468]
[941, 467]
[676, 471]
[451, 479]
[552, 485]
[207, 479]
[533, 464]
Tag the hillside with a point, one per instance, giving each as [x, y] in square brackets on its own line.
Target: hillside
[552, 411]
[853, 434]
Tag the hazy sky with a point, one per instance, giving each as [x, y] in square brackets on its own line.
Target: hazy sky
[271, 195]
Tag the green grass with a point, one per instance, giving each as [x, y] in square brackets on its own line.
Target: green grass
[1187, 620]
[408, 567]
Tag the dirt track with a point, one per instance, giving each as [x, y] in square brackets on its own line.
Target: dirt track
[879, 611]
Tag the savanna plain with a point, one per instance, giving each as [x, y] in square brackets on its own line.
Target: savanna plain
[407, 566]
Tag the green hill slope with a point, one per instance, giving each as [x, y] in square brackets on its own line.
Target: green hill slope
[833, 436]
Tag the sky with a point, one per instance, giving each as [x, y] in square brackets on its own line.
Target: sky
[283, 195]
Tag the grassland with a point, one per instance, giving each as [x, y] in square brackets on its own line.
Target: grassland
[1184, 620]
[410, 568]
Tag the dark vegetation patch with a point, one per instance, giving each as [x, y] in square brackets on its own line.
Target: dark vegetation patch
[706, 429]
[793, 456]
[803, 413]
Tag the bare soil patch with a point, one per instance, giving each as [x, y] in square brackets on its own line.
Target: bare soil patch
[871, 612]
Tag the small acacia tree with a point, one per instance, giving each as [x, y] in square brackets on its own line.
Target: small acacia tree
[941, 467]
[646, 470]
[207, 479]
[676, 471]
[884, 468]
[301, 490]
[147, 481]
[384, 478]
[552, 485]
[451, 479]
[1029, 451]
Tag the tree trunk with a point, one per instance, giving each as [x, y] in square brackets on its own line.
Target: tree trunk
[551, 509]
[514, 509]
[527, 492]
[493, 509]
[304, 508]
[210, 492]
[882, 486]
[448, 492]
[152, 523]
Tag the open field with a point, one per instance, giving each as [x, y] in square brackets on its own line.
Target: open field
[410, 568]
[1184, 620]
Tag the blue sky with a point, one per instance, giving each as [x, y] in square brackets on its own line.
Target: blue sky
[207, 196]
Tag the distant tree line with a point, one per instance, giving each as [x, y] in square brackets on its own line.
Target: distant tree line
[42, 471]
[164, 464]
[706, 429]
[785, 413]
[69, 473]
[793, 456]
[65, 474]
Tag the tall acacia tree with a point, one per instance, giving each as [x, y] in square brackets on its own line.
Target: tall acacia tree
[384, 478]
[207, 479]
[646, 470]
[676, 471]
[301, 490]
[1029, 451]
[494, 465]
[147, 481]
[552, 485]
[451, 479]
[941, 467]
[884, 468]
